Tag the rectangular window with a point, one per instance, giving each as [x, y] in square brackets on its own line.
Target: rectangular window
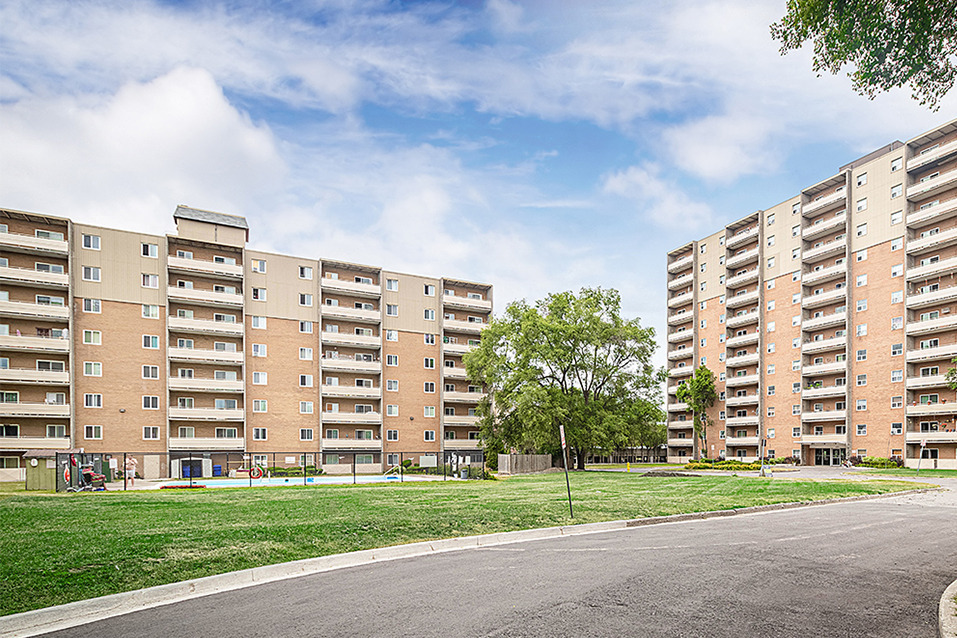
[259, 434]
[305, 327]
[428, 387]
[259, 265]
[897, 376]
[151, 402]
[392, 285]
[306, 407]
[92, 337]
[260, 405]
[151, 432]
[897, 271]
[91, 305]
[861, 405]
[305, 272]
[862, 280]
[428, 411]
[91, 273]
[93, 432]
[260, 378]
[259, 294]
[392, 310]
[862, 379]
[91, 242]
[862, 205]
[305, 354]
[150, 311]
[897, 190]
[305, 434]
[861, 429]
[862, 355]
[305, 299]
[897, 349]
[149, 250]
[391, 435]
[897, 402]
[392, 359]
[429, 363]
[861, 305]
[391, 410]
[151, 342]
[151, 372]
[92, 369]
[429, 314]
[305, 380]
[259, 349]
[392, 385]
[93, 400]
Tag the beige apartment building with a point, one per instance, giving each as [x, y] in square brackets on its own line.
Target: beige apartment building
[830, 319]
[192, 344]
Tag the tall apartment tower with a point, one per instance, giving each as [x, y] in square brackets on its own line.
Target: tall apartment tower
[193, 344]
[830, 319]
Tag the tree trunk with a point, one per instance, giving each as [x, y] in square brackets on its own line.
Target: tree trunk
[580, 454]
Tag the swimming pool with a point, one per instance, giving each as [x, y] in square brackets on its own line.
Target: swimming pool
[337, 479]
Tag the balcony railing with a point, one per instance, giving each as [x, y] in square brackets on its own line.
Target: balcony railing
[828, 201]
[932, 298]
[682, 353]
[936, 269]
[205, 326]
[941, 152]
[932, 242]
[827, 249]
[206, 414]
[462, 397]
[351, 365]
[738, 421]
[35, 278]
[741, 259]
[680, 317]
[688, 442]
[454, 373]
[457, 348]
[733, 441]
[32, 376]
[744, 319]
[929, 354]
[462, 444]
[932, 325]
[681, 335]
[742, 237]
[33, 245]
[460, 419]
[353, 314]
[820, 439]
[949, 436]
[681, 300]
[938, 212]
[26, 410]
[823, 345]
[824, 392]
[925, 382]
[351, 392]
[837, 271]
[681, 372]
[200, 355]
[742, 360]
[748, 379]
[351, 444]
[821, 228]
[204, 297]
[932, 186]
[748, 399]
[681, 282]
[827, 321]
[36, 311]
[743, 340]
[35, 443]
[179, 264]
[359, 418]
[206, 443]
[371, 291]
[465, 303]
[743, 278]
[205, 385]
[824, 298]
[34, 344]
[456, 325]
[677, 407]
[347, 339]
[929, 409]
[736, 301]
[824, 368]
[681, 264]
[824, 415]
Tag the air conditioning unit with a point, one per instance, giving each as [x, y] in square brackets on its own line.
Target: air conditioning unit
[945, 311]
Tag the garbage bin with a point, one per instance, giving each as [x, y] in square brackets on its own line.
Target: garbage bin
[464, 473]
[217, 470]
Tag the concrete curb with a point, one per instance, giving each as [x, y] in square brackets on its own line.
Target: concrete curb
[947, 613]
[40, 621]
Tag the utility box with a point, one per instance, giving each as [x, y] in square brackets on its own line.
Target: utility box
[41, 470]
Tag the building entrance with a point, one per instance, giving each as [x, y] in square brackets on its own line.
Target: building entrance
[829, 456]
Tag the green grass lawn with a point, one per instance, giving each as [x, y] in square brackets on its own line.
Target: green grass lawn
[635, 467]
[60, 548]
[906, 471]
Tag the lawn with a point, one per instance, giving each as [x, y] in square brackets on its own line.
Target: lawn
[905, 471]
[60, 548]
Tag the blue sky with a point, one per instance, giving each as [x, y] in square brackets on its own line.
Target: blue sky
[540, 146]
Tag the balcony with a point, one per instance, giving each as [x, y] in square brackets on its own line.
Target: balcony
[350, 392]
[936, 269]
[350, 445]
[687, 442]
[929, 409]
[681, 300]
[202, 267]
[34, 311]
[34, 443]
[742, 360]
[739, 421]
[206, 414]
[825, 298]
[205, 326]
[354, 288]
[686, 371]
[455, 373]
[677, 407]
[681, 282]
[33, 278]
[932, 298]
[827, 321]
[932, 242]
[455, 302]
[824, 345]
[748, 399]
[930, 437]
[927, 382]
[344, 364]
[742, 237]
[206, 443]
[947, 322]
[930, 354]
[680, 317]
[357, 418]
[738, 441]
[747, 379]
[204, 297]
[462, 444]
[462, 397]
[830, 249]
[736, 301]
[824, 392]
[832, 367]
[353, 340]
[932, 186]
[817, 229]
[27, 410]
[460, 420]
[681, 353]
[940, 153]
[837, 271]
[824, 415]
[33, 245]
[457, 348]
[743, 278]
[455, 325]
[680, 425]
[820, 440]
[34, 377]
[827, 202]
[935, 213]
[681, 264]
[743, 319]
[743, 340]
[199, 355]
[35, 344]
[204, 385]
[741, 259]
[681, 335]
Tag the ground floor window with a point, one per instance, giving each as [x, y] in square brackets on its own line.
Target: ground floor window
[365, 459]
[770, 454]
[929, 453]
[332, 459]
[9, 462]
[392, 459]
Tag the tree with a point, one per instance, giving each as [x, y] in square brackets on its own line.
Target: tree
[569, 359]
[890, 43]
[951, 377]
[698, 392]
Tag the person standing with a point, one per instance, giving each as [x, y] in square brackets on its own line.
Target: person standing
[130, 470]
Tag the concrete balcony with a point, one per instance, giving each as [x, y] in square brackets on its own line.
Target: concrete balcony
[932, 242]
[832, 248]
[688, 442]
[206, 414]
[743, 340]
[742, 237]
[743, 319]
[34, 443]
[748, 379]
[681, 353]
[34, 278]
[199, 355]
[350, 392]
[33, 245]
[832, 200]
[932, 298]
[827, 321]
[680, 425]
[463, 397]
[933, 186]
[740, 421]
[457, 348]
[831, 273]
[935, 213]
[681, 335]
[930, 354]
[350, 365]
[736, 301]
[205, 326]
[931, 437]
[686, 371]
[825, 415]
[830, 391]
[820, 228]
[742, 279]
[820, 440]
[936, 269]
[748, 399]
[462, 444]
[35, 344]
[353, 340]
[681, 282]
[352, 288]
[928, 382]
[204, 297]
[947, 322]
[677, 407]
[202, 267]
[460, 420]
[824, 345]
[681, 300]
[356, 418]
[351, 445]
[31, 376]
[470, 327]
[34, 311]
[27, 410]
[681, 264]
[178, 384]
[739, 441]
[825, 298]
[351, 314]
[455, 302]
[932, 409]
[455, 373]
[681, 317]
[182, 443]
[742, 360]
[739, 260]
[832, 367]
[942, 152]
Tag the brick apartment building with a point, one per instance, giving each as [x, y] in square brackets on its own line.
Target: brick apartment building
[830, 319]
[193, 344]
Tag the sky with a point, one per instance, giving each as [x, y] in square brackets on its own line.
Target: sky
[540, 146]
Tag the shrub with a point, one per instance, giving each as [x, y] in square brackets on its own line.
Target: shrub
[881, 462]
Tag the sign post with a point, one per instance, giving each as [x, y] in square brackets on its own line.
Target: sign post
[568, 485]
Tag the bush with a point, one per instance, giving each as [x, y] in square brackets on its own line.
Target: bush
[281, 471]
[779, 460]
[881, 462]
[726, 464]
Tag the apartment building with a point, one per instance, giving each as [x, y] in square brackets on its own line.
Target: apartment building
[830, 319]
[192, 344]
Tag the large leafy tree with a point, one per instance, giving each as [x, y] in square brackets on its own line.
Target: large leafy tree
[889, 43]
[699, 393]
[951, 377]
[568, 359]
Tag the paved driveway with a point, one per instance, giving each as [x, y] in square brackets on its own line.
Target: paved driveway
[871, 568]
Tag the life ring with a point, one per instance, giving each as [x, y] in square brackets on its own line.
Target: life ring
[256, 472]
[66, 474]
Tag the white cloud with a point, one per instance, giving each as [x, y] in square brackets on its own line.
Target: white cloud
[659, 201]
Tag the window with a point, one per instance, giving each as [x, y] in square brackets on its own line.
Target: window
[151, 342]
[770, 326]
[259, 294]
[861, 255]
[259, 265]
[897, 349]
[151, 372]
[770, 219]
[428, 386]
[151, 402]
[897, 217]
[897, 428]
[861, 429]
[771, 285]
[392, 285]
[796, 387]
[260, 378]
[91, 242]
[897, 163]
[897, 191]
[305, 380]
[392, 359]
[770, 390]
[305, 354]
[149, 250]
[862, 179]
[428, 411]
[795, 230]
[429, 339]
[91, 305]
[861, 330]
[796, 408]
[392, 410]
[93, 432]
[862, 379]
[897, 323]
[897, 270]
[391, 335]
[92, 369]
[862, 280]
[259, 349]
[862, 205]
[260, 405]
[92, 400]
[429, 290]
[770, 240]
[897, 243]
[897, 297]
[429, 363]
[770, 368]
[305, 299]
[897, 376]
[897, 402]
[771, 411]
[305, 434]
[429, 435]
[305, 272]
[771, 305]
[257, 322]
[305, 327]
[429, 314]
[392, 385]
[770, 348]
[862, 355]
[861, 305]
[91, 273]
[150, 311]
[392, 310]
[770, 262]
[861, 405]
